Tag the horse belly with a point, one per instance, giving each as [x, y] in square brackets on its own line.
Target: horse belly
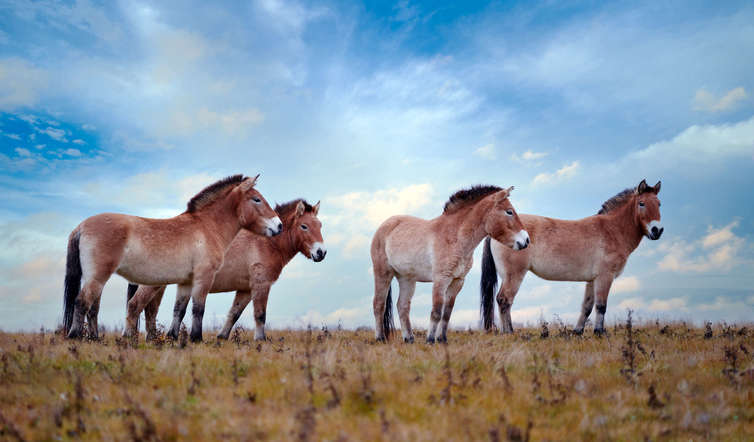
[414, 262]
[170, 267]
[562, 267]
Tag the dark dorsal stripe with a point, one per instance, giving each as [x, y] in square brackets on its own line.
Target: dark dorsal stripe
[285, 209]
[210, 193]
[465, 197]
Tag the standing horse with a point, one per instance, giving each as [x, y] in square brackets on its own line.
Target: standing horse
[251, 265]
[440, 251]
[593, 249]
[186, 249]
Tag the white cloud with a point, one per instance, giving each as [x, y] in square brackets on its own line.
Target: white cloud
[564, 173]
[717, 251]
[625, 284]
[706, 101]
[23, 152]
[79, 142]
[73, 152]
[529, 156]
[12, 136]
[357, 215]
[704, 143]
[20, 83]
[54, 133]
[487, 151]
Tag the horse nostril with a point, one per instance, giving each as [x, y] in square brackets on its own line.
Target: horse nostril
[654, 230]
[527, 241]
[280, 227]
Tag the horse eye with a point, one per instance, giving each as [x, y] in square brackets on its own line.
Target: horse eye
[641, 204]
[509, 212]
[304, 227]
[257, 200]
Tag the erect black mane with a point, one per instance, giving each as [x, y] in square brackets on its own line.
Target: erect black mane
[464, 197]
[210, 193]
[283, 210]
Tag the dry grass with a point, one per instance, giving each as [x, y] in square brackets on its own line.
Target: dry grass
[665, 381]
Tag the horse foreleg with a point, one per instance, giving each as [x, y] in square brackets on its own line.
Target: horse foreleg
[407, 287]
[198, 297]
[439, 288]
[182, 297]
[260, 311]
[586, 307]
[448, 303]
[150, 314]
[601, 290]
[239, 304]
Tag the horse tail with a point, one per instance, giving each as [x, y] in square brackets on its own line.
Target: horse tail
[72, 279]
[387, 317]
[488, 286]
[130, 292]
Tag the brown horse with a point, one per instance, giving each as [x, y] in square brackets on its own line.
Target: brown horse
[440, 251]
[186, 249]
[593, 249]
[251, 265]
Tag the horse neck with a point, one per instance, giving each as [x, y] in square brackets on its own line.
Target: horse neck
[285, 243]
[224, 217]
[471, 225]
[626, 229]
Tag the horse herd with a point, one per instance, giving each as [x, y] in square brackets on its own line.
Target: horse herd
[230, 239]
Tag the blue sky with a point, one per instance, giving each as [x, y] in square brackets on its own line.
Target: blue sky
[378, 109]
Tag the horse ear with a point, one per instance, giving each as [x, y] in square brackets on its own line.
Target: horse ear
[300, 208]
[315, 209]
[503, 194]
[642, 187]
[248, 183]
[657, 187]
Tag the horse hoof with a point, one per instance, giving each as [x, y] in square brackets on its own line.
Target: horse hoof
[442, 340]
[260, 338]
[222, 337]
[196, 337]
[578, 332]
[381, 340]
[600, 332]
[408, 340]
[430, 340]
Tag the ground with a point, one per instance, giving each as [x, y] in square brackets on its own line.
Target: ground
[651, 381]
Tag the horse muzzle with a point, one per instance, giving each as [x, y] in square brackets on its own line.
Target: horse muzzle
[521, 240]
[318, 252]
[654, 230]
[273, 226]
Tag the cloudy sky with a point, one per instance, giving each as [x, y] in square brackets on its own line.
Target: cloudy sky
[376, 110]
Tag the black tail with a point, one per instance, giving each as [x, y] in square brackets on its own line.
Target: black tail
[488, 286]
[131, 291]
[72, 280]
[387, 317]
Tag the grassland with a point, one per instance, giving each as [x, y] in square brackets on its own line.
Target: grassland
[653, 381]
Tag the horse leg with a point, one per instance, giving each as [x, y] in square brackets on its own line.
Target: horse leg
[150, 314]
[601, 290]
[89, 294]
[407, 287]
[439, 287]
[199, 290]
[134, 307]
[182, 297]
[381, 287]
[511, 283]
[586, 307]
[91, 318]
[260, 312]
[239, 304]
[450, 300]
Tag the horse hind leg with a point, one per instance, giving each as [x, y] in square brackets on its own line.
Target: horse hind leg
[379, 305]
[407, 288]
[586, 308]
[505, 296]
[448, 303]
[88, 297]
[239, 304]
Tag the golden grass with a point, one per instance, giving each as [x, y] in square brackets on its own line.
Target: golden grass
[667, 382]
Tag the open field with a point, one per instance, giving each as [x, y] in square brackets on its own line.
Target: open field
[660, 381]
